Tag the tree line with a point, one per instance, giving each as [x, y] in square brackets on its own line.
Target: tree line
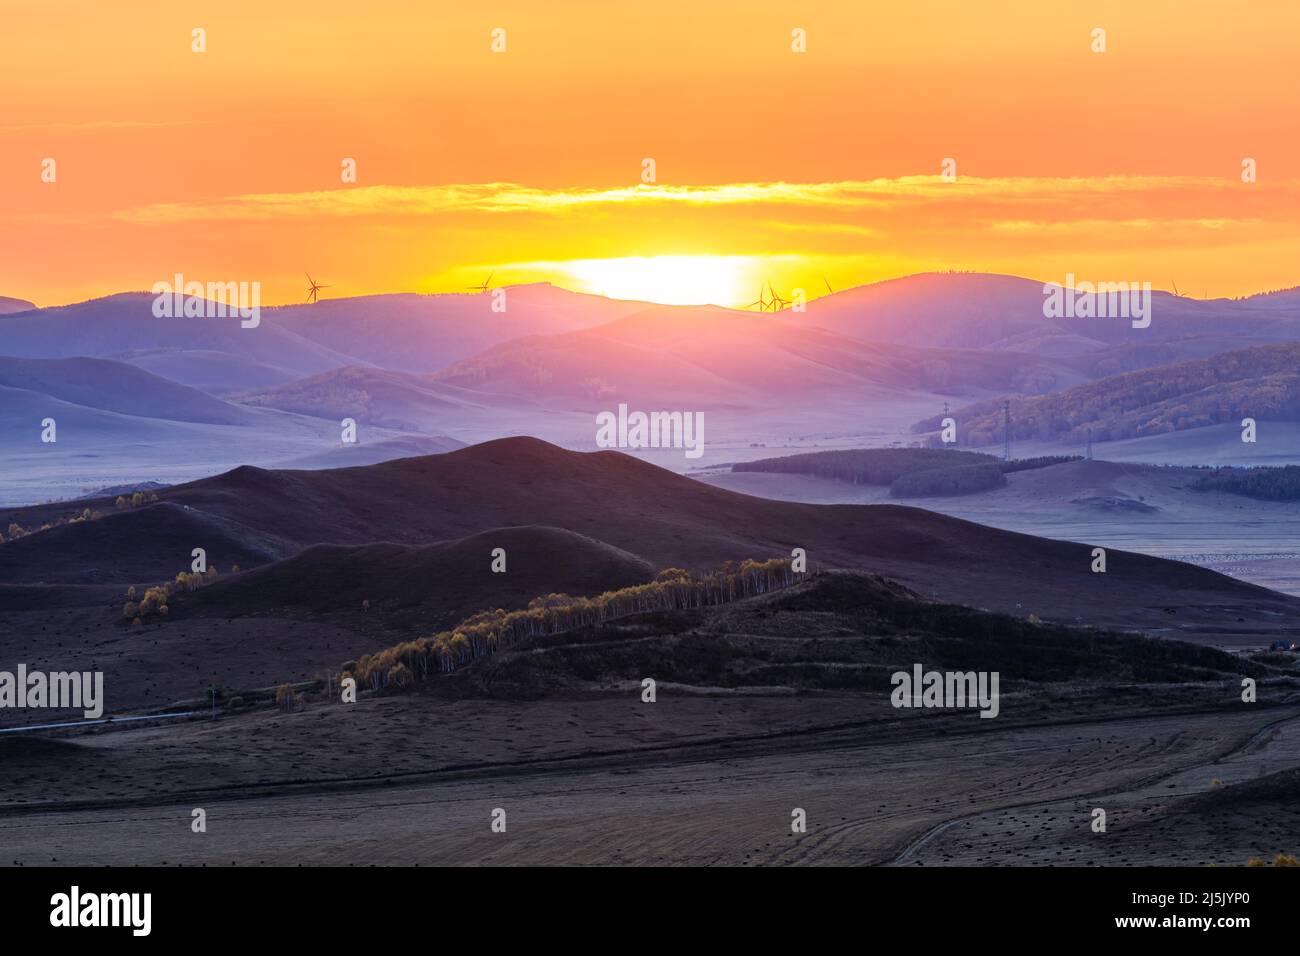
[488, 631]
[1269, 484]
[909, 472]
[865, 466]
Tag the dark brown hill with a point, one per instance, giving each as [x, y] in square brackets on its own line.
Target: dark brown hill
[143, 545]
[426, 587]
[668, 519]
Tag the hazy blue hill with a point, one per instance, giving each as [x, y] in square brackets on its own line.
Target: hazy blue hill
[977, 310]
[1261, 382]
[116, 387]
[10, 305]
[123, 323]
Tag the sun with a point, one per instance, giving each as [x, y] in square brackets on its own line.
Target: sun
[670, 280]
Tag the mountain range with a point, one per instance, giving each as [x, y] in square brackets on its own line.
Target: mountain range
[194, 396]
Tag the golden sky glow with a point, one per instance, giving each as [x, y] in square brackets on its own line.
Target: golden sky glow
[770, 164]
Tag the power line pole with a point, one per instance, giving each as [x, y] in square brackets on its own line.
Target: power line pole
[1006, 430]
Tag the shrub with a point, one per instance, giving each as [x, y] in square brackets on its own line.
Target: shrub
[153, 599]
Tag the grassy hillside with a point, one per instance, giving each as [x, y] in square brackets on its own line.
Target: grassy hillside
[1262, 382]
[835, 631]
[665, 519]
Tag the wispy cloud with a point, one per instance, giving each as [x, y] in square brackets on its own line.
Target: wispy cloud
[506, 198]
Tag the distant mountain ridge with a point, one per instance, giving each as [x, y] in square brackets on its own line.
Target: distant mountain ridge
[1259, 382]
[9, 305]
[707, 356]
[116, 387]
[404, 332]
[373, 396]
[989, 311]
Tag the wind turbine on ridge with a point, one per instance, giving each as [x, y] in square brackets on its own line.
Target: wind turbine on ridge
[761, 302]
[778, 303]
[313, 293]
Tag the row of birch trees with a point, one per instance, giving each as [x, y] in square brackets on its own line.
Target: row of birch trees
[673, 589]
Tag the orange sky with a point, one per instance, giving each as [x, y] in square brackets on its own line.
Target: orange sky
[225, 165]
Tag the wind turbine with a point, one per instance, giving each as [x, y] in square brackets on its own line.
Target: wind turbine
[313, 293]
[484, 285]
[778, 303]
[761, 302]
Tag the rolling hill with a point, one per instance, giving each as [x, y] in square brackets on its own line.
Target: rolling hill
[795, 639]
[124, 323]
[116, 387]
[147, 544]
[710, 357]
[977, 310]
[373, 452]
[666, 519]
[427, 586]
[406, 332]
[421, 333]
[10, 305]
[210, 370]
[376, 397]
[1261, 382]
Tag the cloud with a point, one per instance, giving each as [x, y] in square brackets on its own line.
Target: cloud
[512, 198]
